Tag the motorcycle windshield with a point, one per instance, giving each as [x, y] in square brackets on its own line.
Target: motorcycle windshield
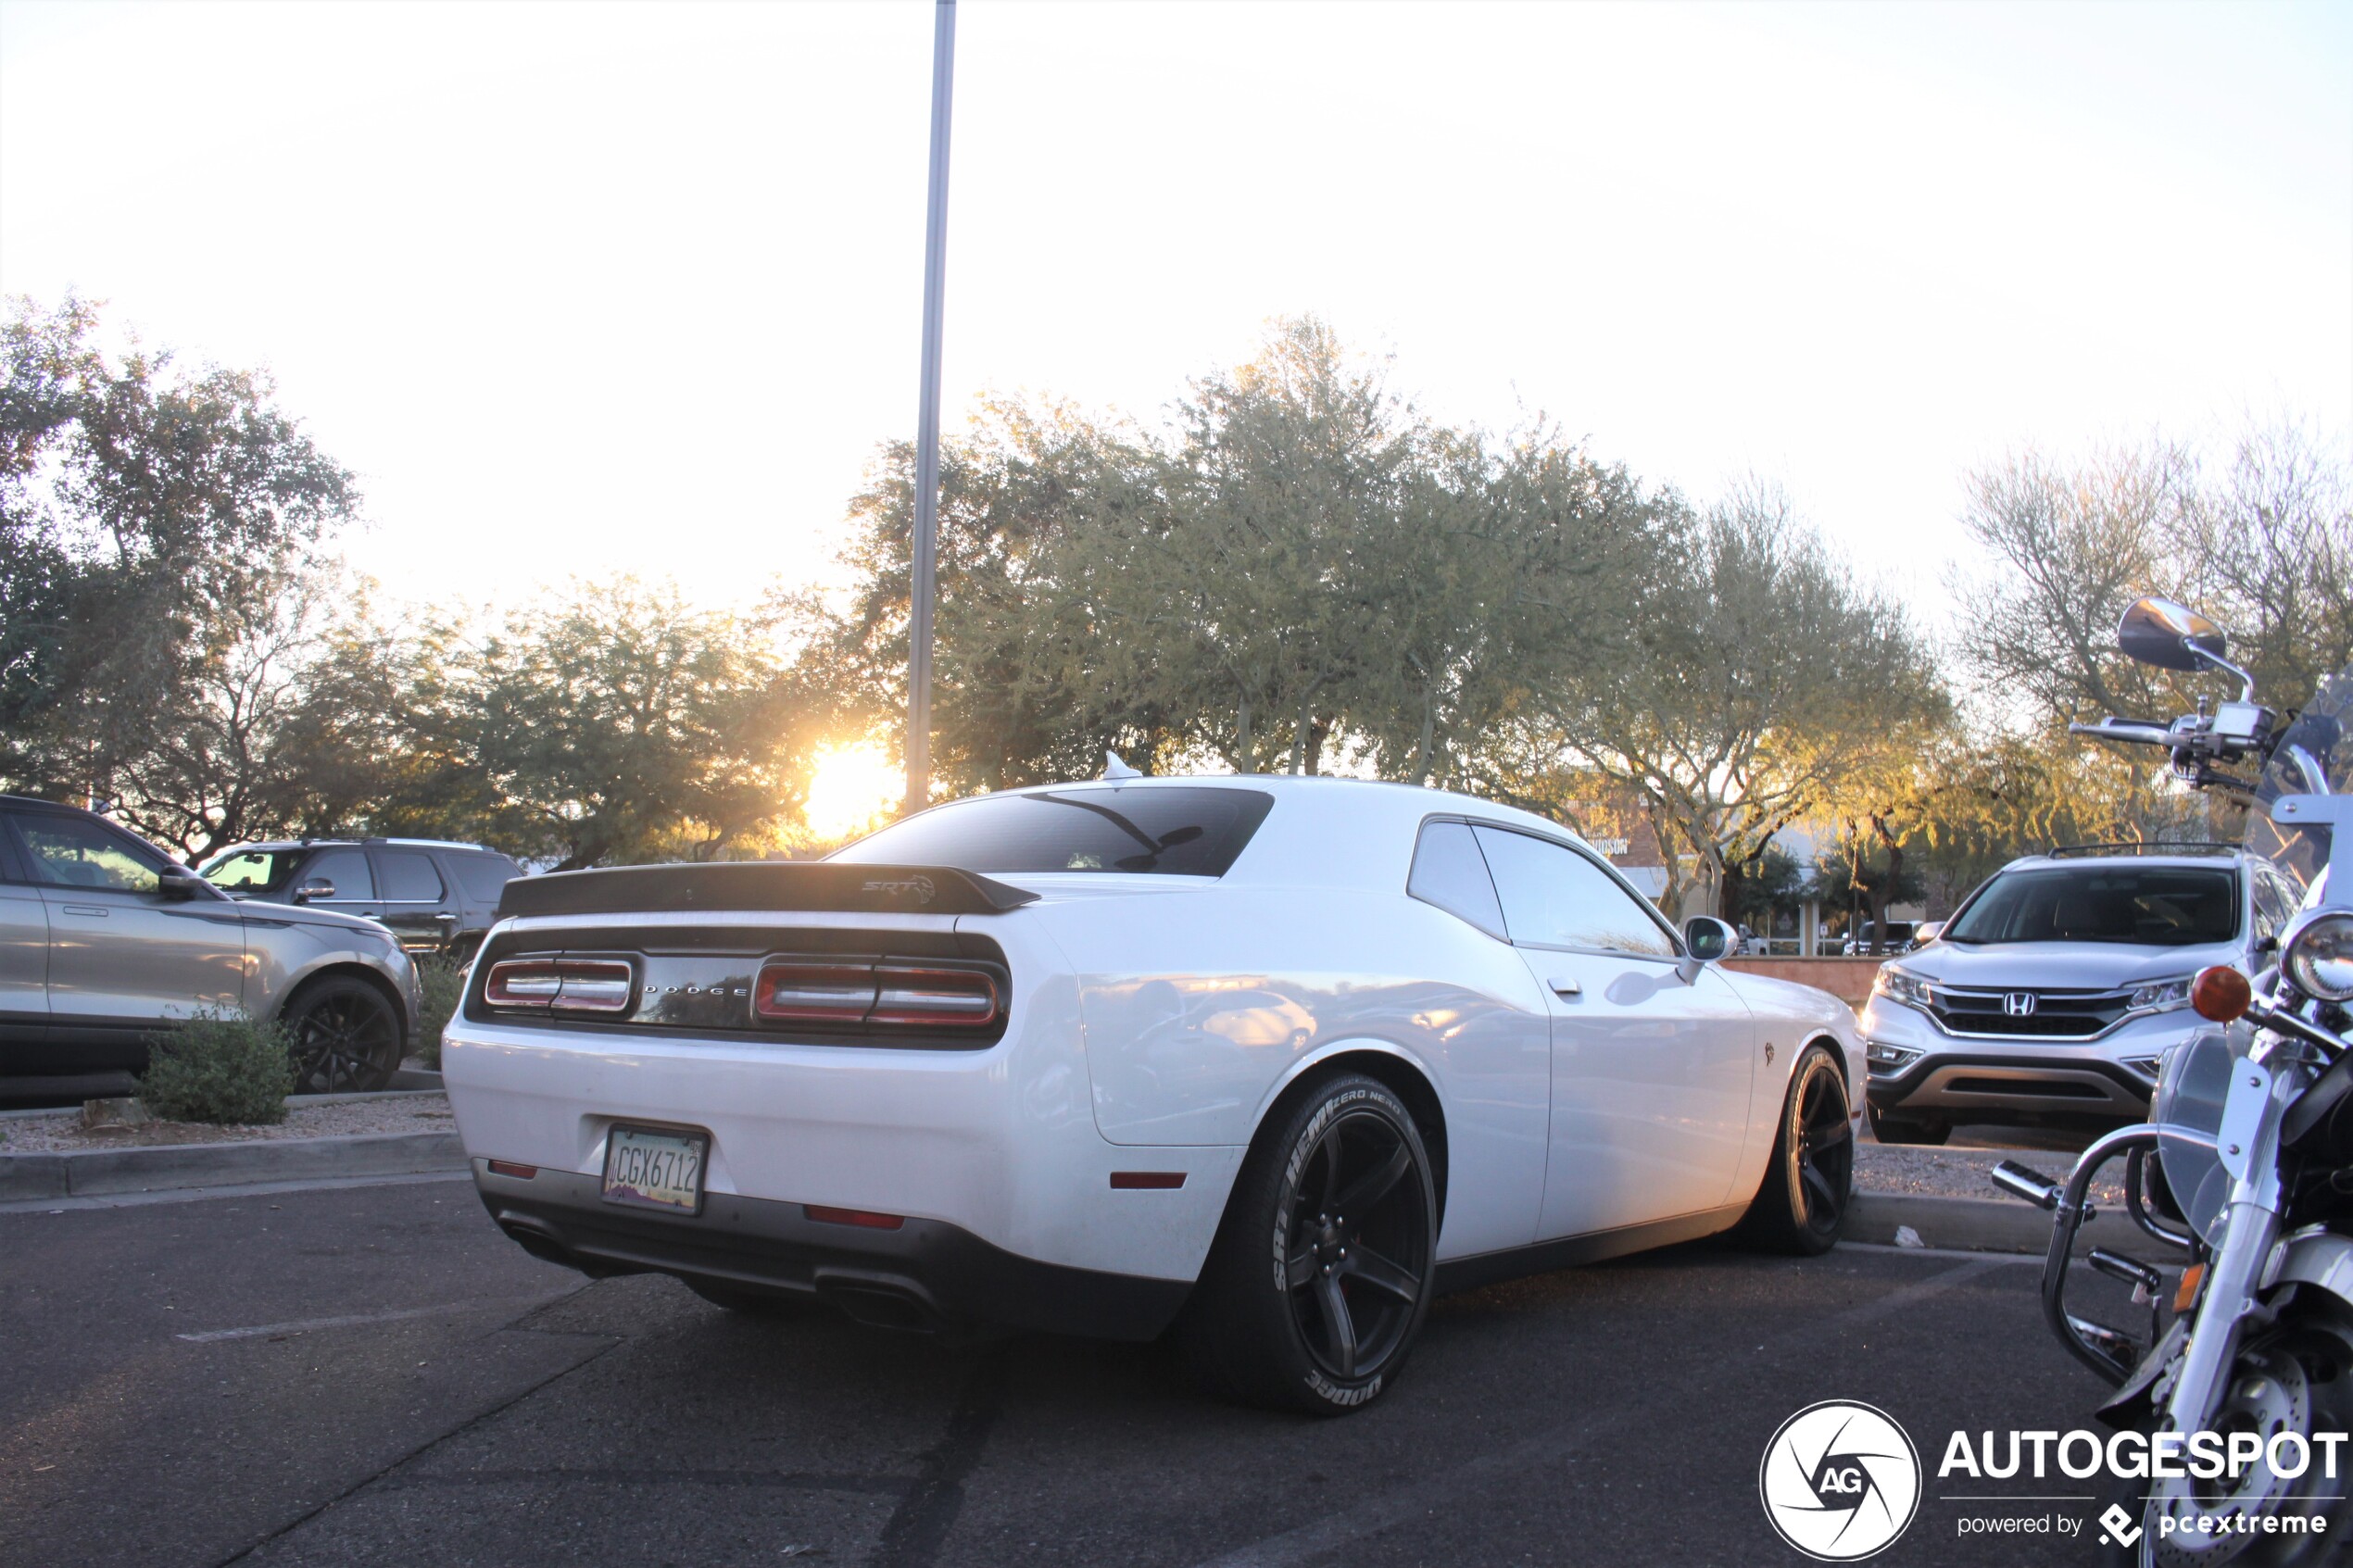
[2314, 756]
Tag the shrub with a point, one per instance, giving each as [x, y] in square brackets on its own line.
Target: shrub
[219, 1067]
[443, 983]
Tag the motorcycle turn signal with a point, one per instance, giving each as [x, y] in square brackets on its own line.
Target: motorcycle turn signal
[2220, 994]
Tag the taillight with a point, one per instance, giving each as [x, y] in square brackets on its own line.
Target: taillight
[560, 985]
[814, 993]
[931, 999]
[879, 995]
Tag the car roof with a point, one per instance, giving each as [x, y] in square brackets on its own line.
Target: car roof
[1360, 835]
[275, 846]
[2230, 858]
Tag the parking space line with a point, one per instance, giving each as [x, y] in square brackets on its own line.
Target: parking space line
[1311, 1540]
[361, 1320]
[206, 1194]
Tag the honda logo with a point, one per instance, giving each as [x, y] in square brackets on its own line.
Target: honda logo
[2018, 1004]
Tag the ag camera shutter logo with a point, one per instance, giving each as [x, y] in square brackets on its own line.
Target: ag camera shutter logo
[1841, 1481]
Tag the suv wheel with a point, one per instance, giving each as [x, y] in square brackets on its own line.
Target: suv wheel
[344, 1035]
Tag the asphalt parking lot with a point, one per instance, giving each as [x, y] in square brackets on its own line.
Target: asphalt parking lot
[372, 1375]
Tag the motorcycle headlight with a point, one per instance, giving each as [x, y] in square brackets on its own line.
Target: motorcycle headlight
[2157, 996]
[2319, 959]
[1897, 987]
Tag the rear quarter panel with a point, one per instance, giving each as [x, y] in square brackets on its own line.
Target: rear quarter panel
[1199, 1008]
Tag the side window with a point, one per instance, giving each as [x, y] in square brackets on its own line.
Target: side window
[1555, 898]
[1449, 872]
[75, 852]
[347, 869]
[409, 877]
[484, 876]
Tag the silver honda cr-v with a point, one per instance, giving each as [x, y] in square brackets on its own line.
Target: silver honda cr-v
[105, 943]
[2050, 996]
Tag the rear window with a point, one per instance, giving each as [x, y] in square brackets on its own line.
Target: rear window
[2150, 906]
[1174, 832]
[484, 876]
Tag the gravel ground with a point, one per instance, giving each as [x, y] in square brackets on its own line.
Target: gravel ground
[63, 1134]
[1962, 1172]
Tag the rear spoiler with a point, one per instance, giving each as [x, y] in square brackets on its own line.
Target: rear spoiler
[761, 886]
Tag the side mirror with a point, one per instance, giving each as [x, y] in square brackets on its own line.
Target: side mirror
[1926, 932]
[1709, 938]
[2171, 637]
[317, 887]
[178, 881]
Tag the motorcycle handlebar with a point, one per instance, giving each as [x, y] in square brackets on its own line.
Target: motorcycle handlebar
[2137, 731]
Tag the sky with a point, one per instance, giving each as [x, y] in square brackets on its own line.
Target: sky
[579, 288]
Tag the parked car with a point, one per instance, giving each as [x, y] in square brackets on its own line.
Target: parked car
[2053, 993]
[105, 942]
[436, 895]
[1272, 1060]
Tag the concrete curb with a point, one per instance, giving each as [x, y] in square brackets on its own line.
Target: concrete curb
[1977, 1225]
[112, 1171]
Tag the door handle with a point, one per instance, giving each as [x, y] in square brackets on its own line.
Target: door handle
[1564, 986]
[96, 912]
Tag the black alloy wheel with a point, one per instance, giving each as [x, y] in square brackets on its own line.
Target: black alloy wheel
[1321, 1273]
[1803, 1203]
[344, 1035]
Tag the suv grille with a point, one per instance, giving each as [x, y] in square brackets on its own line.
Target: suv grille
[2055, 1015]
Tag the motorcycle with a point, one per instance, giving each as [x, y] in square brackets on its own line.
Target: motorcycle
[2243, 1172]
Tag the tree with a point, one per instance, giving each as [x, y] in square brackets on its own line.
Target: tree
[1753, 676]
[156, 524]
[614, 723]
[2266, 548]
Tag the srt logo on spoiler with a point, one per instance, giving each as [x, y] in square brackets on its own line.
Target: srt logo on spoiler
[920, 888]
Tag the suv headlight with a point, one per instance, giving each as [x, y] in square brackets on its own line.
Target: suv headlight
[1898, 986]
[1892, 1058]
[2319, 959]
[2160, 996]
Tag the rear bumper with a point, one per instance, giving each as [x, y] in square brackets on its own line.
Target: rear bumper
[925, 1275]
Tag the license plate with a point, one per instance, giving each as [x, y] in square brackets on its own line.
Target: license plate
[647, 1168]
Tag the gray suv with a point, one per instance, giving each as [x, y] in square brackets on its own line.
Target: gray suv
[437, 896]
[2052, 994]
[105, 942]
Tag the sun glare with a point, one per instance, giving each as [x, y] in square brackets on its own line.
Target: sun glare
[853, 788]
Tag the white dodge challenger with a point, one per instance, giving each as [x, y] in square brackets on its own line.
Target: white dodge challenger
[1271, 1061]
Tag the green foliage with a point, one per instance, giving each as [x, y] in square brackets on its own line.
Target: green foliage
[443, 983]
[157, 528]
[612, 723]
[222, 1067]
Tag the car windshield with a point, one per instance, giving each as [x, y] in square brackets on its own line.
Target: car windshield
[1172, 832]
[250, 871]
[2147, 906]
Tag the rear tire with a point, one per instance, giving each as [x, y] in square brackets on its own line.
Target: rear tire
[1315, 1288]
[1803, 1204]
[345, 1036]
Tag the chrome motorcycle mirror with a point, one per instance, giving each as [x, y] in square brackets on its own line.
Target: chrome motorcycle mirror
[2171, 636]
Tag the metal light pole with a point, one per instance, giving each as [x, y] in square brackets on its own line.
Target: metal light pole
[943, 73]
